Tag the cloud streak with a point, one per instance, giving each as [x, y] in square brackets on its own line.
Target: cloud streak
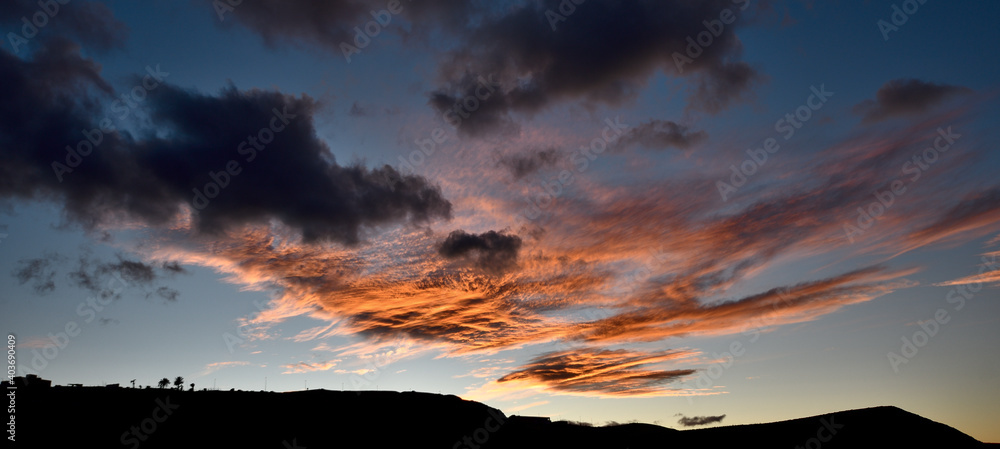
[306, 367]
[597, 372]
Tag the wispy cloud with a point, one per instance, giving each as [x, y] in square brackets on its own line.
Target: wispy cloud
[989, 273]
[598, 372]
[213, 367]
[305, 367]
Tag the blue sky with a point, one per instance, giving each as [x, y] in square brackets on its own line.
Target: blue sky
[326, 262]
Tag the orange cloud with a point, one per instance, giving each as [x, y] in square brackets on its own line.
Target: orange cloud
[664, 317]
[989, 271]
[599, 372]
[305, 367]
[605, 265]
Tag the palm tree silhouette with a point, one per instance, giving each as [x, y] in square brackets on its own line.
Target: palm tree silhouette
[179, 382]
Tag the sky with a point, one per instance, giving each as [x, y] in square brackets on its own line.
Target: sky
[658, 211]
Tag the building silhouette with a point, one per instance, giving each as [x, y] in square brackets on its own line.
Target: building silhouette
[28, 381]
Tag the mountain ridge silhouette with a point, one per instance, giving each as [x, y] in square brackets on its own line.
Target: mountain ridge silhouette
[152, 418]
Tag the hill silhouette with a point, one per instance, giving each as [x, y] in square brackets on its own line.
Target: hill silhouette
[876, 427]
[154, 418]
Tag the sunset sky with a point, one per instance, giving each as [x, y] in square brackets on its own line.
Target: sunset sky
[590, 210]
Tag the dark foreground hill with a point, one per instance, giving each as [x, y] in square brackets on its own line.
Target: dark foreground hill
[129, 418]
[877, 427]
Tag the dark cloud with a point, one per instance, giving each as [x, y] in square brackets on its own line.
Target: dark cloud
[524, 164]
[905, 96]
[493, 252]
[153, 177]
[661, 135]
[86, 276]
[39, 271]
[90, 23]
[106, 279]
[604, 52]
[172, 266]
[600, 372]
[475, 106]
[690, 421]
[132, 271]
[111, 279]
